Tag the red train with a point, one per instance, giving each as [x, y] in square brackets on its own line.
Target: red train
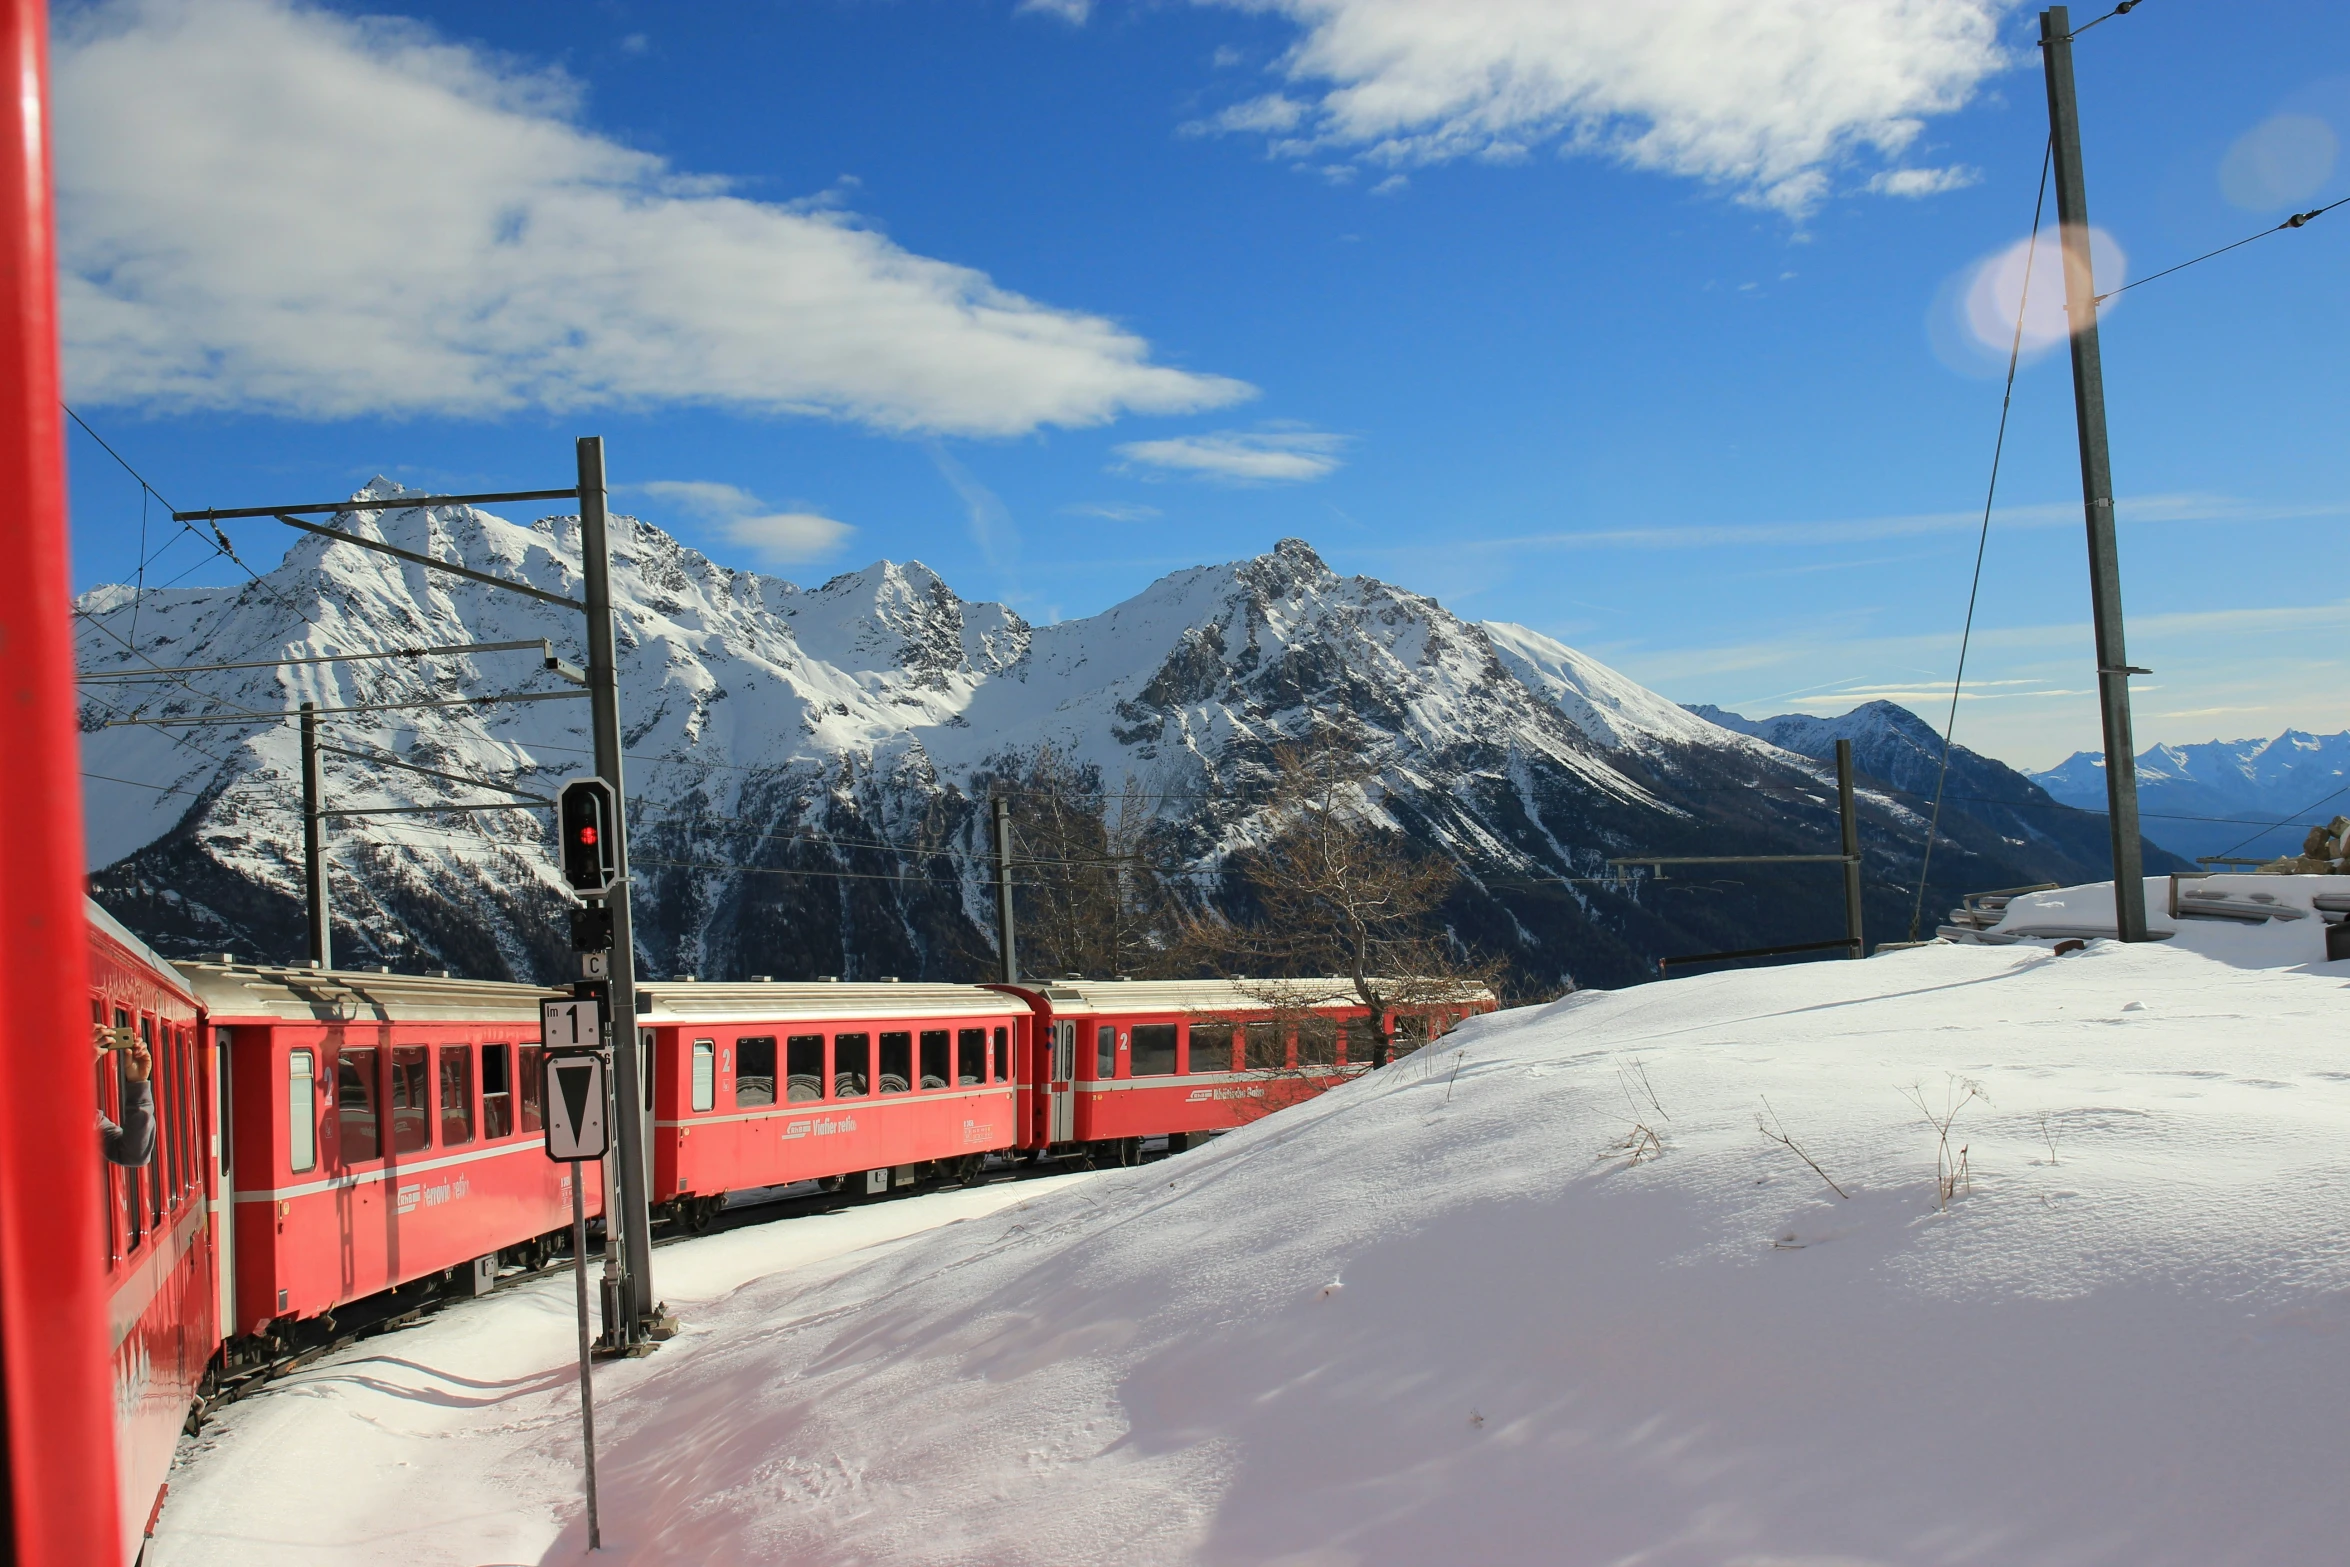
[327, 1135]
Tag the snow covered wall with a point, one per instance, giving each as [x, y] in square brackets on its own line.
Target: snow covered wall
[803, 762]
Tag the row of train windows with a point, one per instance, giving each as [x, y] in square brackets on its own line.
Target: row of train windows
[1216, 1046]
[142, 1198]
[956, 1058]
[416, 1097]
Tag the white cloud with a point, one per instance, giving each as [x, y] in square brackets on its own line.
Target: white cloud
[1273, 112]
[1923, 182]
[1243, 457]
[275, 208]
[1071, 11]
[777, 537]
[1760, 95]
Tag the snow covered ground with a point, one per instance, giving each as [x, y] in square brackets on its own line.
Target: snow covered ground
[1445, 1315]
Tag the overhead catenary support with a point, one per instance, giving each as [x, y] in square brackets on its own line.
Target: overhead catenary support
[2105, 584]
[636, 1226]
[1849, 819]
[1003, 891]
[322, 952]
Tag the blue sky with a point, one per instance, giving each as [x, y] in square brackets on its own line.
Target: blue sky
[1648, 327]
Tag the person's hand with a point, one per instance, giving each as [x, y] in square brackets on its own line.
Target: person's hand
[137, 1062]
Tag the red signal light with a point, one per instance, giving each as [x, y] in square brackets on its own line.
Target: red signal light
[587, 835]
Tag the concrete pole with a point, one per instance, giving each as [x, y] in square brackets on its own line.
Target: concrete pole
[635, 1224]
[2105, 581]
[322, 945]
[1003, 890]
[1850, 820]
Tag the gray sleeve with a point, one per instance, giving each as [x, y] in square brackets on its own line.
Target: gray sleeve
[133, 1142]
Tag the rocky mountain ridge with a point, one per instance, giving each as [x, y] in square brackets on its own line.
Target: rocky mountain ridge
[807, 767]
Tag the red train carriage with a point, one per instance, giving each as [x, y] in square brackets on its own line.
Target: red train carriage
[163, 1270]
[762, 1084]
[383, 1128]
[1130, 1059]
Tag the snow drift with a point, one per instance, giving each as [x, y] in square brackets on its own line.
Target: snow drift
[1446, 1314]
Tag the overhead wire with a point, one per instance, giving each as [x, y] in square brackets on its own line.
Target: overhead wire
[2297, 220]
[1983, 539]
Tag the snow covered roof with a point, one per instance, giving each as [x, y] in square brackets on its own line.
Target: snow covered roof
[1210, 995]
[234, 991]
[693, 1001]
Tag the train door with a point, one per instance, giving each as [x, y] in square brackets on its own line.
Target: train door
[1064, 1100]
[224, 1200]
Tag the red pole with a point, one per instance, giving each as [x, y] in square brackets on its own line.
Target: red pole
[54, 1343]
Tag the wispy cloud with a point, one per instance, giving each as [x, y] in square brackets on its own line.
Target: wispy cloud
[990, 519]
[777, 537]
[2170, 508]
[1113, 511]
[501, 255]
[1242, 457]
[1071, 11]
[1763, 97]
[1923, 182]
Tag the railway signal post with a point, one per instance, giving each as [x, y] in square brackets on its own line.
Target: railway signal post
[578, 1131]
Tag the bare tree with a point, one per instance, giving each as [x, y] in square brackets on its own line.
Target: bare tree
[1090, 897]
[1341, 894]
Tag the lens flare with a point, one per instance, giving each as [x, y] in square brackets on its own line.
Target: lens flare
[1996, 286]
[2281, 162]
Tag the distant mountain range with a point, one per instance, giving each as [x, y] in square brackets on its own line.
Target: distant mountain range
[1893, 744]
[808, 767]
[2250, 798]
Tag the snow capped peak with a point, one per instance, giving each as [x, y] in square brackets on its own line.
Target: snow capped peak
[1612, 709]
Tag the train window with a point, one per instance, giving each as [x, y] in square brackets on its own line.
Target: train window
[530, 1087]
[1211, 1046]
[302, 1109]
[705, 1088]
[1317, 1042]
[355, 1096]
[162, 1082]
[1003, 1055]
[1151, 1051]
[456, 1095]
[803, 1067]
[222, 1101]
[936, 1044]
[411, 1098]
[497, 1091]
[851, 1059]
[897, 1064]
[970, 1057]
[754, 1072]
[1267, 1050]
[1105, 1051]
[134, 1225]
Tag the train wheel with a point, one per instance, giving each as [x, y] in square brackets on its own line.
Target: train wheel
[695, 1215]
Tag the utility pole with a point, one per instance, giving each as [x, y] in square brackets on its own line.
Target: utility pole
[322, 945]
[1850, 821]
[635, 1226]
[2105, 584]
[1003, 889]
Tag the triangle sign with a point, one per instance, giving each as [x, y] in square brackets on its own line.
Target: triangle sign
[575, 1079]
[576, 1126]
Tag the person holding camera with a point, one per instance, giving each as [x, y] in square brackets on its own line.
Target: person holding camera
[133, 1142]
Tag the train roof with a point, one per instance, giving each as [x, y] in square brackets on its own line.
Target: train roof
[120, 933]
[231, 991]
[692, 1001]
[1209, 995]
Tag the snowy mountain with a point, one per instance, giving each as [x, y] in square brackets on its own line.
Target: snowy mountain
[2215, 797]
[1892, 744]
[808, 767]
